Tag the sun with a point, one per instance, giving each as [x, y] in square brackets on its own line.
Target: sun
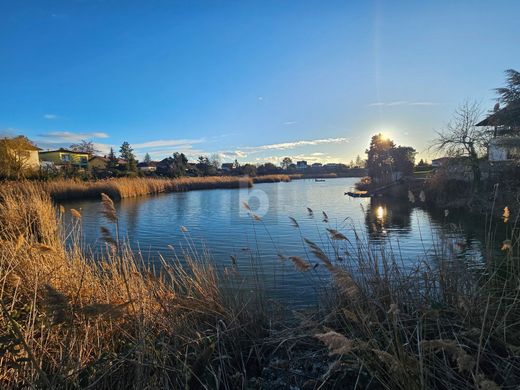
[384, 135]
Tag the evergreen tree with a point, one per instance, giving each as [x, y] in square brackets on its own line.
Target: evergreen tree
[147, 158]
[112, 160]
[127, 153]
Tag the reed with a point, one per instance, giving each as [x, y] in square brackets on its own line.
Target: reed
[67, 321]
[271, 178]
[438, 322]
[118, 188]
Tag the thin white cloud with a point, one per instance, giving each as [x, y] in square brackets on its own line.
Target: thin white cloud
[51, 116]
[289, 123]
[232, 154]
[62, 136]
[167, 143]
[295, 144]
[401, 103]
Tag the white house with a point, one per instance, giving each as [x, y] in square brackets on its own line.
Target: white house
[505, 122]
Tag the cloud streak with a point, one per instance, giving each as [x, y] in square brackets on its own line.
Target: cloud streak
[295, 144]
[68, 136]
[167, 143]
[401, 103]
[51, 116]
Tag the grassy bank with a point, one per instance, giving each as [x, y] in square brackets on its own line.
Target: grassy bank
[69, 321]
[118, 188]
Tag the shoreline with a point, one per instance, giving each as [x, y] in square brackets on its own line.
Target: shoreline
[121, 188]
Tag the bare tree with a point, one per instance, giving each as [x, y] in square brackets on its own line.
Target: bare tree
[461, 138]
[84, 146]
[215, 161]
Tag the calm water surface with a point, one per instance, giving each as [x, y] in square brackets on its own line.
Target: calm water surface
[216, 220]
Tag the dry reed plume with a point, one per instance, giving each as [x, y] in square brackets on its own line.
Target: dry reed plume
[118, 188]
[68, 321]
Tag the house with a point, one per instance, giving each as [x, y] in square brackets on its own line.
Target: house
[64, 157]
[505, 122]
[439, 162]
[150, 166]
[301, 165]
[228, 167]
[100, 163]
[17, 155]
[331, 165]
[317, 165]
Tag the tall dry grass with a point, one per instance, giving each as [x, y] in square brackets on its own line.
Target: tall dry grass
[118, 188]
[67, 321]
[441, 322]
[271, 178]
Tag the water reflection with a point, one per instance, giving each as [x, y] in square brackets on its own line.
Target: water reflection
[385, 215]
[215, 223]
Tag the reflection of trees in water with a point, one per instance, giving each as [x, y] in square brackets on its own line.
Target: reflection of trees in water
[383, 214]
[130, 211]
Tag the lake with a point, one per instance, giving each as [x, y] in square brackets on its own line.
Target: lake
[216, 221]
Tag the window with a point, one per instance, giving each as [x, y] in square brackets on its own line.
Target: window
[65, 158]
[83, 160]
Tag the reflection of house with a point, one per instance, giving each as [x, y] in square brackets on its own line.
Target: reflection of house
[64, 157]
[301, 165]
[21, 151]
[101, 163]
[505, 144]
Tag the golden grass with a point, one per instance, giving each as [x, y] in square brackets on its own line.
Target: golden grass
[67, 321]
[118, 188]
[271, 178]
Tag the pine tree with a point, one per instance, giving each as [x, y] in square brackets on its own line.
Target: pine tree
[112, 160]
[126, 153]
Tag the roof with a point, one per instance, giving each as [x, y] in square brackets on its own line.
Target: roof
[147, 164]
[507, 116]
[22, 142]
[62, 150]
[106, 159]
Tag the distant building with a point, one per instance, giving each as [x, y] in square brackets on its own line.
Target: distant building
[227, 167]
[317, 165]
[505, 122]
[301, 165]
[101, 163]
[438, 162]
[21, 149]
[147, 166]
[65, 157]
[331, 166]
[18, 155]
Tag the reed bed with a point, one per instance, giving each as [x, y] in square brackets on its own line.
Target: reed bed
[67, 321]
[271, 178]
[438, 323]
[118, 188]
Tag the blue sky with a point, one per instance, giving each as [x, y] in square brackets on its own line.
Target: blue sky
[252, 80]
